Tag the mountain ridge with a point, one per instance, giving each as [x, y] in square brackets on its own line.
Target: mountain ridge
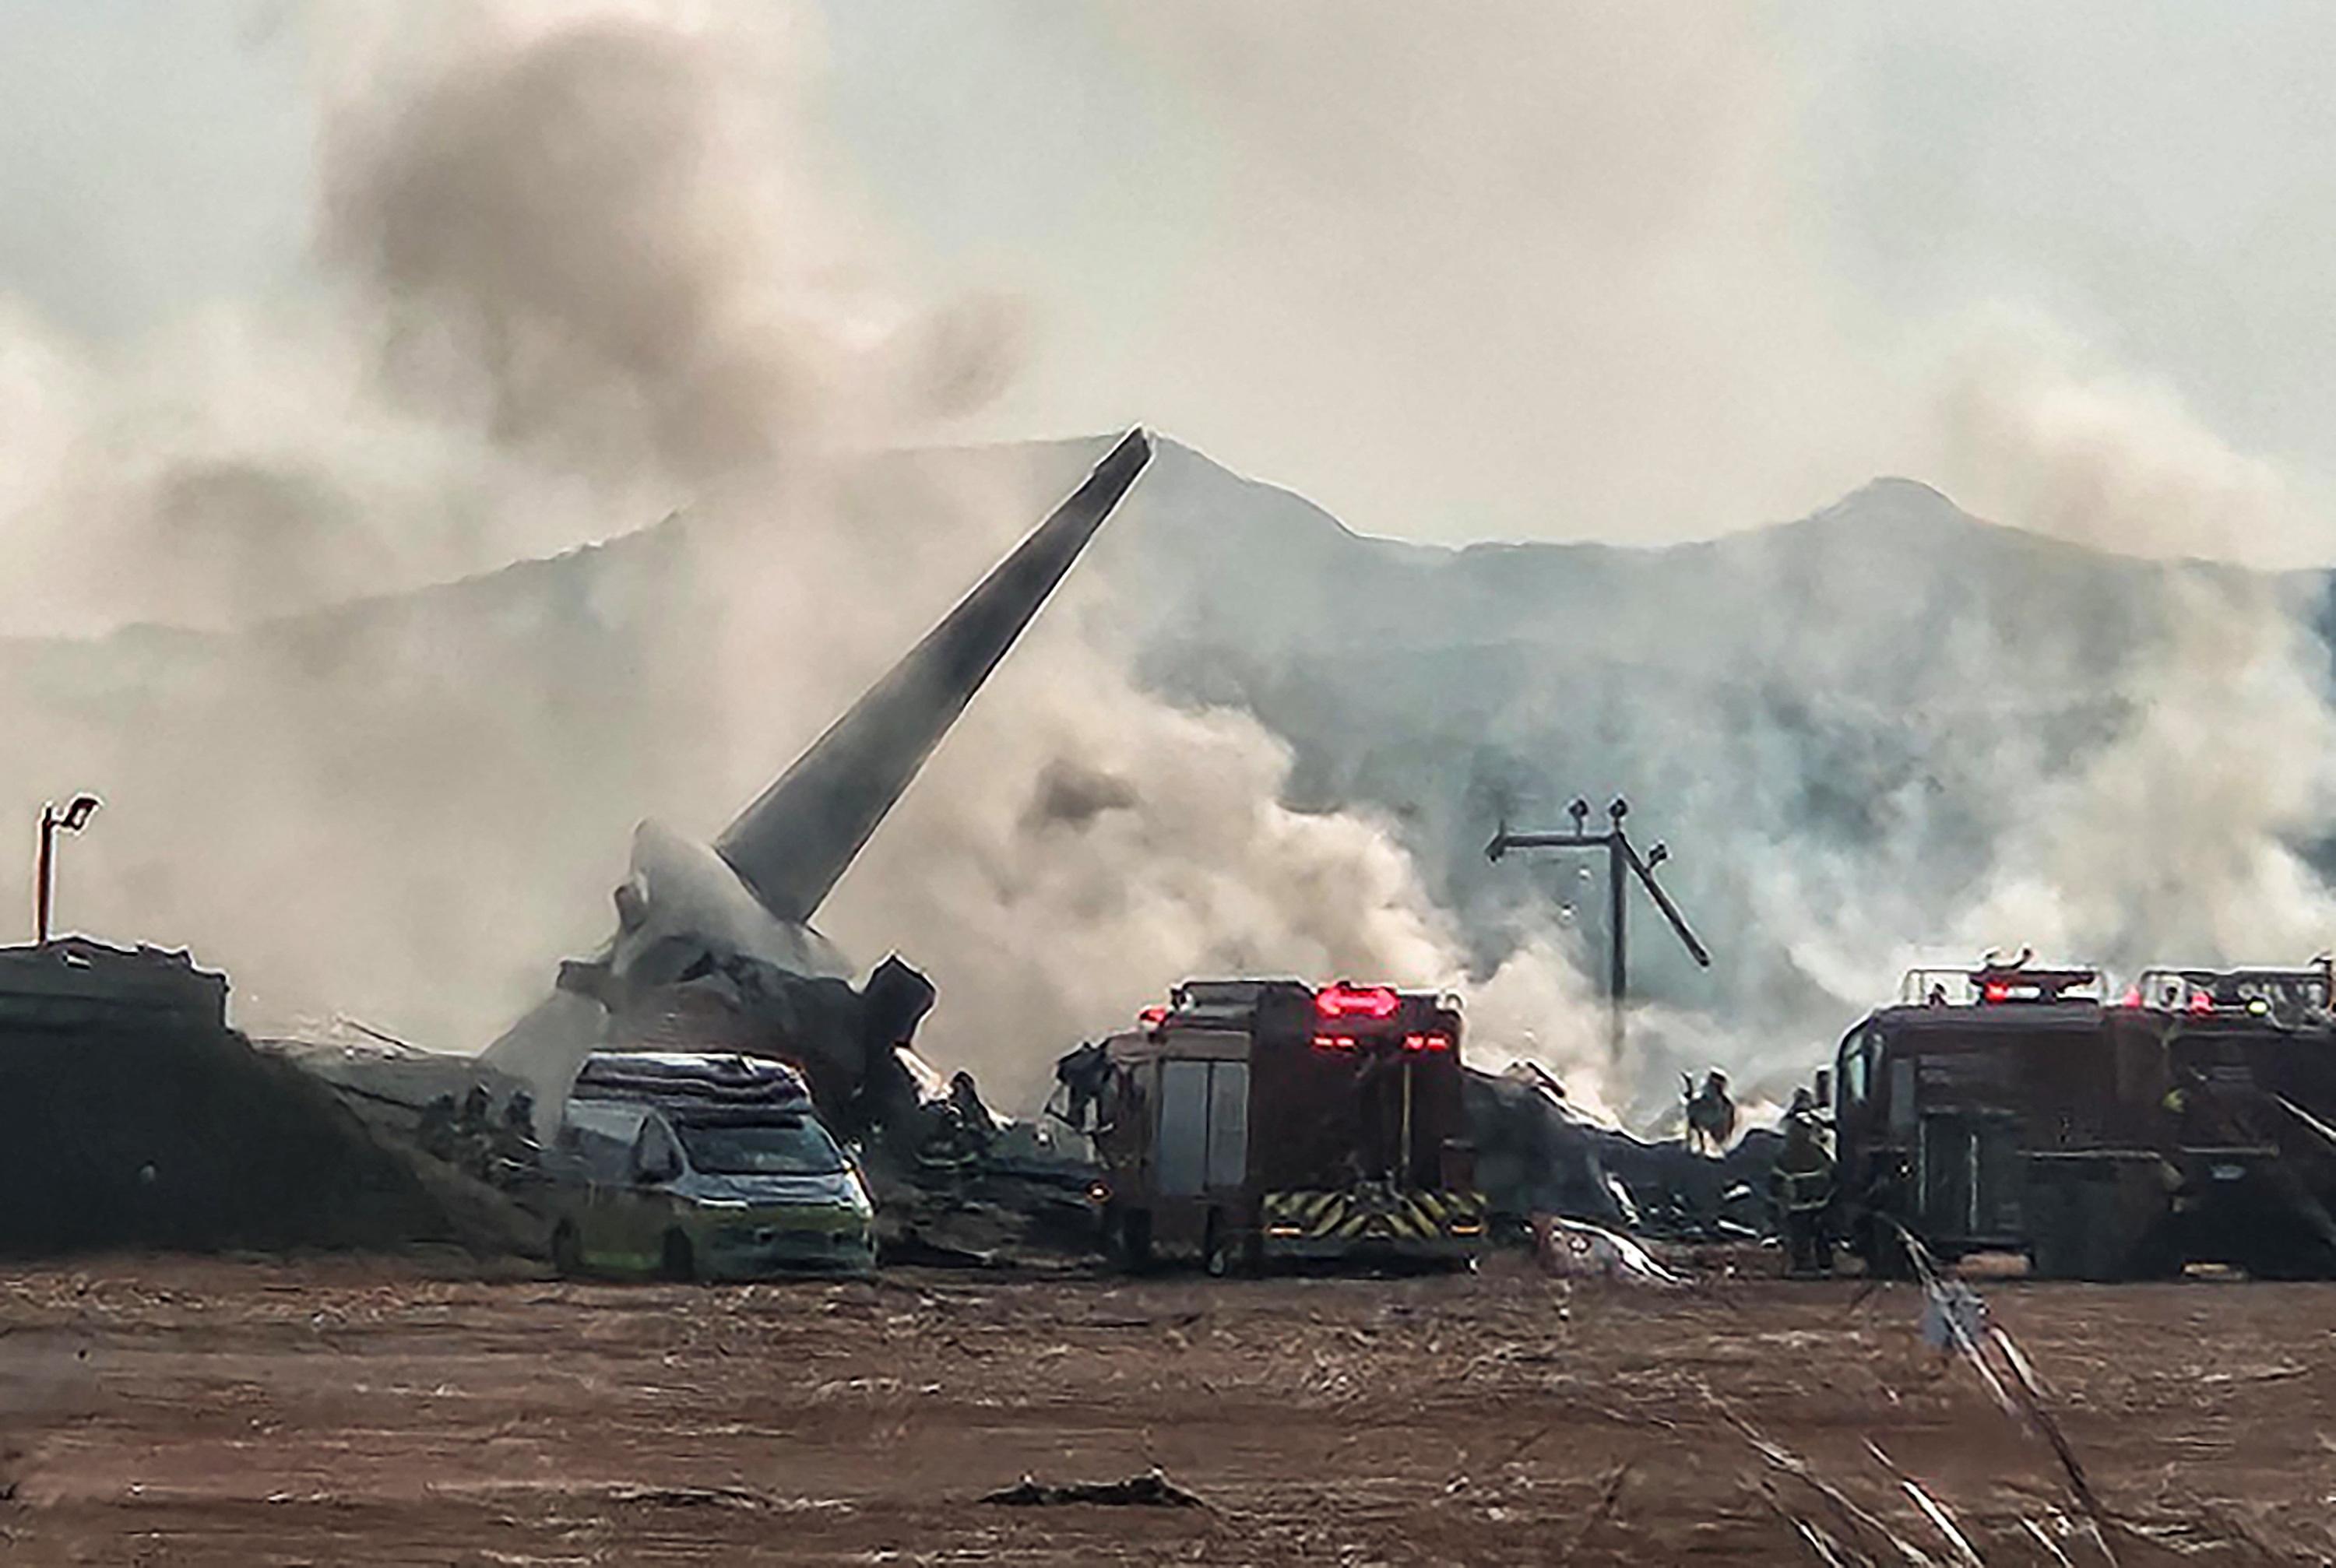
[1841, 722]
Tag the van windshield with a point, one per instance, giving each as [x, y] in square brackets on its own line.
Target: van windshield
[786, 1146]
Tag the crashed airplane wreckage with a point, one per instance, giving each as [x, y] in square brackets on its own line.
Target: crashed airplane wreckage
[714, 945]
[714, 948]
[1537, 1154]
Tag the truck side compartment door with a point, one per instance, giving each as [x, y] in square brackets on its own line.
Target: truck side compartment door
[1227, 1163]
[1181, 1155]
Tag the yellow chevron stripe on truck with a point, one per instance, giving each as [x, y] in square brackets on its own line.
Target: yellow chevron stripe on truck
[1372, 1215]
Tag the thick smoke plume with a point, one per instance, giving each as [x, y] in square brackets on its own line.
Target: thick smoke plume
[576, 282]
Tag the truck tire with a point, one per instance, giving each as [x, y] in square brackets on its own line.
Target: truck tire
[2058, 1252]
[567, 1252]
[2101, 1227]
[2066, 1219]
[1129, 1233]
[2295, 1255]
[2157, 1256]
[680, 1265]
[1217, 1254]
[1884, 1251]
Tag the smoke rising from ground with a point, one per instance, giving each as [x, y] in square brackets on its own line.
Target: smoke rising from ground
[2186, 834]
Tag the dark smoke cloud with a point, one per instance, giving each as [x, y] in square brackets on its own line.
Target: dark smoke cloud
[563, 233]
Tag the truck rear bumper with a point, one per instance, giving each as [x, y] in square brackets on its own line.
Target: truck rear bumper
[1371, 1220]
[1324, 1249]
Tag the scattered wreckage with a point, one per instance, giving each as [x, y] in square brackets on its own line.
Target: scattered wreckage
[1535, 1154]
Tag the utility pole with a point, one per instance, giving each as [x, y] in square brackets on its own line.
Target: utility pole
[73, 819]
[1622, 863]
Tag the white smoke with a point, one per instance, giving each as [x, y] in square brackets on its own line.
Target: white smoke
[2179, 842]
[576, 276]
[2179, 836]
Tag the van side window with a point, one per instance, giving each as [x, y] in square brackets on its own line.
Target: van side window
[656, 1149]
[602, 1136]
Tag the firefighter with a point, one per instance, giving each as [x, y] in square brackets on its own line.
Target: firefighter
[1084, 1074]
[1710, 1113]
[474, 1132]
[514, 1141]
[1801, 1181]
[980, 1127]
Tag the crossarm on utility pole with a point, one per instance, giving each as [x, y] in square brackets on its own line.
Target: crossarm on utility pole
[1505, 840]
[1646, 874]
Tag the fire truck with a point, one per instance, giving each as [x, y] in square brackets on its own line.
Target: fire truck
[1948, 1100]
[2014, 1108]
[2251, 1071]
[1252, 1122]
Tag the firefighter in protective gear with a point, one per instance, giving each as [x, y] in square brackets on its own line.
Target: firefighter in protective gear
[1801, 1184]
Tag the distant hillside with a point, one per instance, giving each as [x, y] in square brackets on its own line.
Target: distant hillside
[1853, 711]
[1837, 723]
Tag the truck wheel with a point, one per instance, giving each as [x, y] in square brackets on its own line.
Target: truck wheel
[2054, 1252]
[567, 1252]
[2098, 1230]
[1216, 1252]
[1885, 1253]
[1131, 1240]
[2289, 1256]
[680, 1263]
[2156, 1254]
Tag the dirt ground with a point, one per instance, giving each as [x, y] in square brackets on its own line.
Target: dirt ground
[363, 1411]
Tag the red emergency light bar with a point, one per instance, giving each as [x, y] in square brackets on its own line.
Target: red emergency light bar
[2016, 983]
[1342, 1001]
[1333, 1042]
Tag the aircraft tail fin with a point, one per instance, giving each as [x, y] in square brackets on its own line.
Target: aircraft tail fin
[796, 840]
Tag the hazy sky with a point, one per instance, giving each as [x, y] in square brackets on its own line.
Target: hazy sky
[1459, 271]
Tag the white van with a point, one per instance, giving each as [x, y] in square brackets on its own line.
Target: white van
[683, 1188]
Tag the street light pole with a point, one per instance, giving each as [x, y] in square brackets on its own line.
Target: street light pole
[72, 820]
[1622, 863]
[1618, 962]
